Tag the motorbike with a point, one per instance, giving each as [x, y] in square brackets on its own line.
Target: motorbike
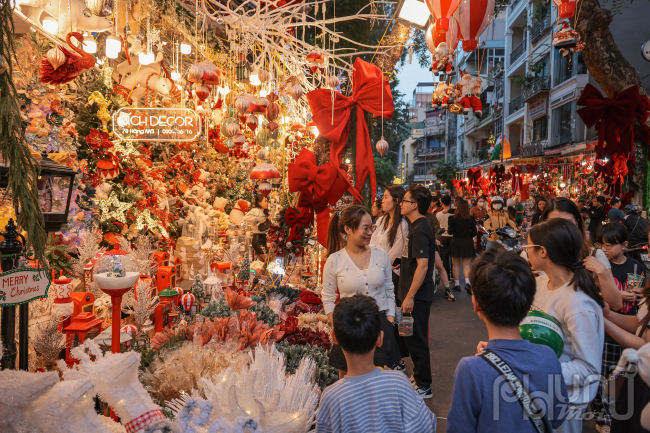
[511, 238]
[639, 253]
[479, 245]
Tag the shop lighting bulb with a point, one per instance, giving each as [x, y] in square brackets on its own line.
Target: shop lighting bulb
[176, 75]
[89, 44]
[584, 163]
[605, 159]
[146, 59]
[50, 25]
[255, 78]
[347, 160]
[263, 93]
[113, 47]
[562, 185]
[186, 48]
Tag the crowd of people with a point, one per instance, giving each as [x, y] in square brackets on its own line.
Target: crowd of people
[572, 266]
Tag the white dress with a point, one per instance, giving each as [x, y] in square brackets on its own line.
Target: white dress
[341, 273]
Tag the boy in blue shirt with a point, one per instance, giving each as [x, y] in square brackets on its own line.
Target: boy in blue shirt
[368, 399]
[503, 289]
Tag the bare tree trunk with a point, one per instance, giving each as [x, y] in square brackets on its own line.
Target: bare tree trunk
[613, 73]
[399, 34]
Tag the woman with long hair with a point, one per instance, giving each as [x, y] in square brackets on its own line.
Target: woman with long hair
[391, 229]
[594, 259]
[462, 227]
[568, 292]
[635, 393]
[258, 218]
[359, 268]
[540, 204]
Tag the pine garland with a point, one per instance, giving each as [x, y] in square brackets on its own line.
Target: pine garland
[264, 312]
[23, 168]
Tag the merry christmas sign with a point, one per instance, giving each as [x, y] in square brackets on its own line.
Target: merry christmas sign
[156, 124]
[22, 285]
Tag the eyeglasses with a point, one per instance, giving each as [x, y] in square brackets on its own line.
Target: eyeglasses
[528, 246]
[367, 230]
[407, 201]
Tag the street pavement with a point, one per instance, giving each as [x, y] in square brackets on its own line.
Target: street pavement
[454, 332]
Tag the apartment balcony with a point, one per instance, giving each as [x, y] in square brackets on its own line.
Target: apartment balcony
[541, 29]
[470, 124]
[515, 105]
[518, 52]
[486, 117]
[533, 148]
[538, 86]
[435, 129]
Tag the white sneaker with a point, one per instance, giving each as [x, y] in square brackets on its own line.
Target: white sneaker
[424, 393]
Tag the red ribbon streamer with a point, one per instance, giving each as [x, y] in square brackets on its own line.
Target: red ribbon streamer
[334, 122]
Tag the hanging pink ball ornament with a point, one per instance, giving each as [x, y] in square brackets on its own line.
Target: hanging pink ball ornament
[382, 146]
[332, 81]
[296, 91]
[252, 122]
[233, 129]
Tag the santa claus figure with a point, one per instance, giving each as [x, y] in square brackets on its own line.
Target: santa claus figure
[468, 100]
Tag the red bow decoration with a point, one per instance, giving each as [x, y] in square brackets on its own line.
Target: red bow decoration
[474, 174]
[318, 185]
[334, 122]
[531, 168]
[297, 220]
[614, 118]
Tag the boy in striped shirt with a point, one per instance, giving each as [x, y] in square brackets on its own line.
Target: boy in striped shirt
[368, 399]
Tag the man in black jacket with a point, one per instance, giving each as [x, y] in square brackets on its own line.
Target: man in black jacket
[597, 216]
[636, 225]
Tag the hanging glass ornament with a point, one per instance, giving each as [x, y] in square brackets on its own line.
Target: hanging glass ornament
[229, 143]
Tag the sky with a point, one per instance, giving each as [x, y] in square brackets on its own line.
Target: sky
[410, 76]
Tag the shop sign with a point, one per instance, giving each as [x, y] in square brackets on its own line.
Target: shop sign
[20, 286]
[538, 109]
[531, 161]
[156, 124]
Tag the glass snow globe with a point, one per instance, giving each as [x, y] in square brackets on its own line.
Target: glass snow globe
[116, 272]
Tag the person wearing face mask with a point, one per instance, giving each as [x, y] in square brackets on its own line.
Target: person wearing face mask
[479, 210]
[497, 218]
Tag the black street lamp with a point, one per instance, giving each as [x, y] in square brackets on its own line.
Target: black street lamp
[54, 192]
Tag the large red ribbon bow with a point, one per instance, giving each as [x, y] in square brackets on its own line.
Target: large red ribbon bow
[613, 117]
[318, 185]
[334, 122]
[297, 220]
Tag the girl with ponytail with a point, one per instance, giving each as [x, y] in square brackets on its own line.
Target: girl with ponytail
[354, 268]
[569, 293]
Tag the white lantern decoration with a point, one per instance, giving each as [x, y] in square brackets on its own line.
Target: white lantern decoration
[89, 44]
[146, 59]
[113, 47]
[51, 25]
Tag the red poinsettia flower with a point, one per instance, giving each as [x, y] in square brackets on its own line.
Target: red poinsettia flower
[106, 144]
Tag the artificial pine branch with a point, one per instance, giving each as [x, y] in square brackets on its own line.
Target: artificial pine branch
[23, 168]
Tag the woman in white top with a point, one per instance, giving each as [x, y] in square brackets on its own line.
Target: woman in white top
[359, 269]
[568, 292]
[593, 258]
[260, 223]
[388, 235]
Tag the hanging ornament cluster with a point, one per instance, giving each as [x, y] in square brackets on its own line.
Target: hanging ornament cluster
[567, 40]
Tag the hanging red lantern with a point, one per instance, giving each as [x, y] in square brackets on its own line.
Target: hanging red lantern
[265, 188]
[252, 122]
[566, 8]
[272, 111]
[473, 17]
[201, 91]
[442, 10]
